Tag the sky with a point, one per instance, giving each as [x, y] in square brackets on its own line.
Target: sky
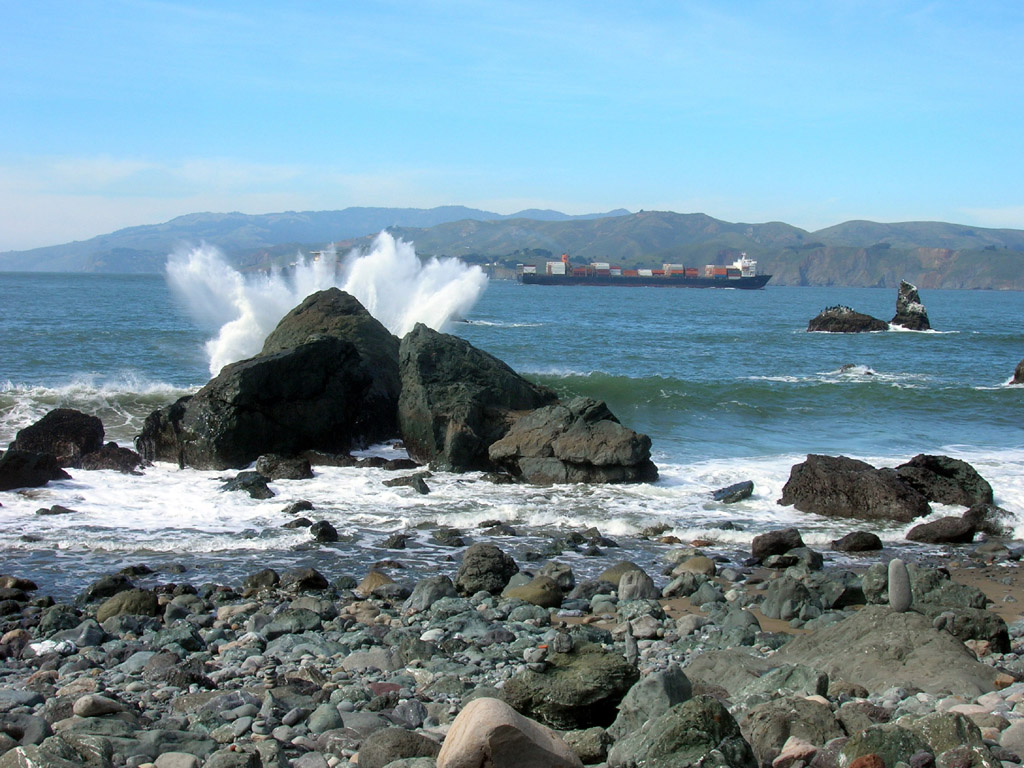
[125, 112]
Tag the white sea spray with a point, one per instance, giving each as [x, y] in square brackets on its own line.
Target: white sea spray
[389, 279]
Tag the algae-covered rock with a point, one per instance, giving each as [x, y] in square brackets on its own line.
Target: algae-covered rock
[577, 690]
[697, 732]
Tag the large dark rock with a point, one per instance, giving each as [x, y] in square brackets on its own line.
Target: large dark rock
[485, 568]
[840, 319]
[579, 442]
[945, 530]
[989, 519]
[857, 541]
[946, 480]
[910, 312]
[775, 543]
[64, 432]
[112, 456]
[456, 400]
[576, 690]
[275, 467]
[1018, 374]
[734, 493]
[336, 389]
[25, 469]
[838, 486]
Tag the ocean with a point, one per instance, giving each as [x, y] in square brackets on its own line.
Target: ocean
[728, 384]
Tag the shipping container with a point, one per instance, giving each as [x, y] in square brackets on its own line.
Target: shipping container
[615, 272]
[709, 270]
[657, 272]
[579, 271]
[732, 272]
[556, 268]
[630, 272]
[601, 265]
[691, 272]
[669, 268]
[603, 272]
[529, 269]
[645, 272]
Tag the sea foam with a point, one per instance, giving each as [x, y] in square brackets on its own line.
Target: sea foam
[389, 279]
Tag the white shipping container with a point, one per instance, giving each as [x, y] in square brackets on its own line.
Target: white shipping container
[616, 272]
[556, 268]
[672, 267]
[530, 269]
[601, 265]
[645, 272]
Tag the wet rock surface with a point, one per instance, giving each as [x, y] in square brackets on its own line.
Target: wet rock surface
[842, 319]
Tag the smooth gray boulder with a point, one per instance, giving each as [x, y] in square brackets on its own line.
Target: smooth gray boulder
[650, 697]
[879, 648]
[900, 594]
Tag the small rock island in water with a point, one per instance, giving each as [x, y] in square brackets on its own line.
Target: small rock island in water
[910, 314]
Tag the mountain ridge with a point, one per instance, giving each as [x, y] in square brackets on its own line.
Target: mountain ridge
[856, 252]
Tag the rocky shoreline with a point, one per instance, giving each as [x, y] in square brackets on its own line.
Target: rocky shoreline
[716, 660]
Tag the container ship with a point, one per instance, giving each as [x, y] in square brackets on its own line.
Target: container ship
[742, 274]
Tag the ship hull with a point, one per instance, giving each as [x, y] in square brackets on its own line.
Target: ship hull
[667, 281]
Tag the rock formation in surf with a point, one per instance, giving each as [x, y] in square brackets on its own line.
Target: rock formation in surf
[842, 319]
[331, 378]
[576, 442]
[838, 486]
[910, 312]
[1018, 374]
[456, 399]
[327, 380]
[65, 433]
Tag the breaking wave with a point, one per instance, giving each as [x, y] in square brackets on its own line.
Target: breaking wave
[389, 279]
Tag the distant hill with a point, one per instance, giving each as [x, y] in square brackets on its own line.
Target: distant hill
[862, 253]
[928, 254]
[921, 234]
[241, 236]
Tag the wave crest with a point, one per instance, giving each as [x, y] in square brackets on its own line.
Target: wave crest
[388, 278]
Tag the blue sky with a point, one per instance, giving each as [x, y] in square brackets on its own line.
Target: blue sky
[126, 112]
